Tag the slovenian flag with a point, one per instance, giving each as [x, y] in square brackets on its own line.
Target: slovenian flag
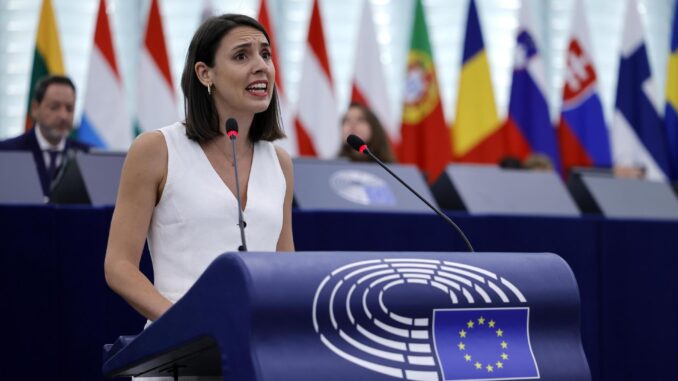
[47, 56]
[425, 137]
[671, 115]
[582, 133]
[156, 106]
[638, 134]
[317, 121]
[528, 110]
[105, 121]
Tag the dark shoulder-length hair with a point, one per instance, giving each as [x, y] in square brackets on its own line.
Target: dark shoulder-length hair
[378, 143]
[202, 119]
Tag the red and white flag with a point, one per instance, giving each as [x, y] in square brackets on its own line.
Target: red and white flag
[286, 116]
[317, 121]
[369, 85]
[157, 105]
[105, 121]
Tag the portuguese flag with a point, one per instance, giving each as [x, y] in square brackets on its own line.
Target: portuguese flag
[425, 137]
[47, 57]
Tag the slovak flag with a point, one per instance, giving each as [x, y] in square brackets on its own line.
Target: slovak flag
[105, 121]
[638, 132]
[317, 121]
[528, 110]
[582, 133]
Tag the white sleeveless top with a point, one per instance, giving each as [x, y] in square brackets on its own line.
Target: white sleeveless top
[197, 216]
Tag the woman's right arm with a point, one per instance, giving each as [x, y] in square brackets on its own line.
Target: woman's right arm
[141, 184]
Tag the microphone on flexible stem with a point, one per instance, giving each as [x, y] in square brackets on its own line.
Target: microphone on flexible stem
[232, 133]
[359, 145]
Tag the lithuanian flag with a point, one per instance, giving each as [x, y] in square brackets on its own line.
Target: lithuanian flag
[47, 57]
[425, 137]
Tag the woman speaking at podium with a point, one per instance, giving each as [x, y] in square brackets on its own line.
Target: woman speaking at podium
[178, 185]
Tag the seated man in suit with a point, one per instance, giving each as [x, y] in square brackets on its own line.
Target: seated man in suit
[52, 113]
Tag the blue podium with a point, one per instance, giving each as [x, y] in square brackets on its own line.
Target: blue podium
[367, 316]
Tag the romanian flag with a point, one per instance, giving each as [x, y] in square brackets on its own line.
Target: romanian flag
[47, 57]
[671, 109]
[477, 135]
[425, 138]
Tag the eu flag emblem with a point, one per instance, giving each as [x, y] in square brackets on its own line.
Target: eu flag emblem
[484, 344]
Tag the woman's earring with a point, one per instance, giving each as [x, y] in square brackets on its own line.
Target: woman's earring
[209, 89]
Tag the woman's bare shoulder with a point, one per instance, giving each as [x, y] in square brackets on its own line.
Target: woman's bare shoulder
[148, 153]
[284, 158]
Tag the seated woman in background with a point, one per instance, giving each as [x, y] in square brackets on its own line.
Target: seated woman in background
[361, 121]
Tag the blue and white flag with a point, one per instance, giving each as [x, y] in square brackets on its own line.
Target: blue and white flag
[638, 134]
[484, 344]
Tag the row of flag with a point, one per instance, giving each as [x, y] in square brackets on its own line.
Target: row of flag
[106, 122]
[638, 136]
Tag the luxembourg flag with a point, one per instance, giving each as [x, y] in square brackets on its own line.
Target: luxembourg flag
[528, 109]
[157, 105]
[105, 121]
[582, 133]
[317, 123]
[638, 134]
[369, 85]
[286, 116]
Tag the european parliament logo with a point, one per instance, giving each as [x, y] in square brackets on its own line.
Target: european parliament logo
[411, 319]
[361, 187]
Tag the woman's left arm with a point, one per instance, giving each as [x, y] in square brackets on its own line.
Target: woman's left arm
[286, 240]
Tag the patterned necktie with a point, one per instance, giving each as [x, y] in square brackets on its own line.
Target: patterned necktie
[52, 168]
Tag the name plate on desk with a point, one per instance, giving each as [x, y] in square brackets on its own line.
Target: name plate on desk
[624, 198]
[488, 189]
[19, 178]
[342, 185]
[89, 178]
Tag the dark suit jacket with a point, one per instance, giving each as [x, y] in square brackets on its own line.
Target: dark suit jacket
[28, 142]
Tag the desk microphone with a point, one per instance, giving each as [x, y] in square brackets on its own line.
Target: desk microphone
[359, 145]
[232, 133]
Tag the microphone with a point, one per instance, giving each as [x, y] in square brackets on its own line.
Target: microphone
[359, 145]
[232, 133]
